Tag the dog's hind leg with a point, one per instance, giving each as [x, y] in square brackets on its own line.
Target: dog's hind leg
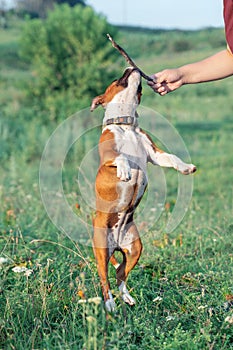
[131, 254]
[101, 253]
[114, 262]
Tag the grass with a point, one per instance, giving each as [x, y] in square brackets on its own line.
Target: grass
[183, 282]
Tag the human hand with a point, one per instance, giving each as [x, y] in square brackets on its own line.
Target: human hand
[166, 81]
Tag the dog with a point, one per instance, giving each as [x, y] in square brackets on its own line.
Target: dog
[124, 151]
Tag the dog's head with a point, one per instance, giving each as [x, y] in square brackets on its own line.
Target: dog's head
[126, 90]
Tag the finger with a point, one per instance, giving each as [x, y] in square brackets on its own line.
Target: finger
[163, 93]
[160, 77]
[150, 83]
[164, 90]
[153, 84]
[161, 90]
[157, 78]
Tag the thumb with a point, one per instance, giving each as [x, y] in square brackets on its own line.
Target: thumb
[157, 78]
[160, 77]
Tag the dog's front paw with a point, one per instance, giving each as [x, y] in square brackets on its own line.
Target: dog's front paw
[189, 169]
[123, 168]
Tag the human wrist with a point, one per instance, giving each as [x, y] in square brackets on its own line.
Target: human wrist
[184, 75]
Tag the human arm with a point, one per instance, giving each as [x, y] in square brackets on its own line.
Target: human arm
[215, 67]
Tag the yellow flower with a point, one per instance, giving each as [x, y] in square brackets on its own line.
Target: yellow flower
[81, 294]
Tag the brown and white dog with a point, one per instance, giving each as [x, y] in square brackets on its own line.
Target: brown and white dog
[121, 181]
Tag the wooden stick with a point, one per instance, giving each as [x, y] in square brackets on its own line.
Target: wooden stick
[127, 58]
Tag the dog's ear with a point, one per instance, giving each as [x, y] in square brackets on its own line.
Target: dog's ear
[98, 100]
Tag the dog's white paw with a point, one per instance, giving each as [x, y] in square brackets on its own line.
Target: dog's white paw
[188, 169]
[110, 305]
[123, 168]
[126, 297]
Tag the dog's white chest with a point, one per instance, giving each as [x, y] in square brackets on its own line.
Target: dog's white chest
[130, 144]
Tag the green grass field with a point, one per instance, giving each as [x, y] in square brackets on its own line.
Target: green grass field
[183, 282]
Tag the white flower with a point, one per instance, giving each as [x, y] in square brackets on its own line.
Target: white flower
[157, 299]
[28, 272]
[229, 319]
[82, 301]
[3, 260]
[95, 300]
[19, 269]
[201, 307]
[170, 318]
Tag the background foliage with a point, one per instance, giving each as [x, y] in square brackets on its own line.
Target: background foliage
[40, 8]
[70, 57]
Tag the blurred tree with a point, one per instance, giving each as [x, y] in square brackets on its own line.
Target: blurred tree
[39, 8]
[70, 57]
[3, 5]
[3, 9]
[35, 8]
[71, 2]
